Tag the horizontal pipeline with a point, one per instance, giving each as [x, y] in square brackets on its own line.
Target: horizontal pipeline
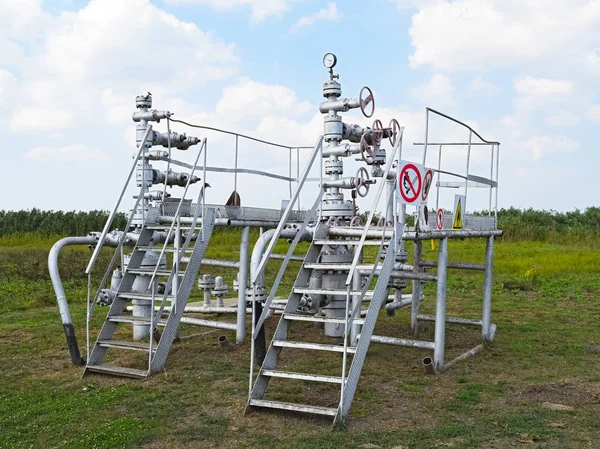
[456, 265]
[340, 231]
[402, 342]
[452, 320]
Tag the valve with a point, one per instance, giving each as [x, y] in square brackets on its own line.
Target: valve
[366, 151]
[395, 131]
[362, 182]
[365, 102]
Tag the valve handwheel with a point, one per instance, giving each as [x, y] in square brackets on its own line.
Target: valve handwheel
[377, 131]
[369, 99]
[362, 182]
[395, 130]
[367, 153]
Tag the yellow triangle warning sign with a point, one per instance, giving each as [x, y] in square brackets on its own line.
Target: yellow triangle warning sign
[457, 223]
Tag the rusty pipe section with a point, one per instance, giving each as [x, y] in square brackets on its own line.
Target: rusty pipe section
[61, 298]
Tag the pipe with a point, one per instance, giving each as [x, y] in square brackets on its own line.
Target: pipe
[340, 231]
[454, 265]
[242, 285]
[419, 344]
[208, 323]
[61, 298]
[428, 366]
[261, 245]
[223, 341]
[440, 306]
[469, 353]
[405, 301]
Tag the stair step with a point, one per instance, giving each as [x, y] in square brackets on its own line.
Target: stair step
[128, 345]
[133, 320]
[302, 408]
[301, 376]
[319, 319]
[117, 371]
[325, 291]
[150, 271]
[313, 346]
[349, 242]
[157, 297]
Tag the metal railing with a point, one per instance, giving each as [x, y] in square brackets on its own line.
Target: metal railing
[470, 180]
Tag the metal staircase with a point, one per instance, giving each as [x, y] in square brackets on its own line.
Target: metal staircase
[348, 380]
[158, 351]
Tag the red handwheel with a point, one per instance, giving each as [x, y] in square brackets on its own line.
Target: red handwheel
[362, 182]
[395, 127]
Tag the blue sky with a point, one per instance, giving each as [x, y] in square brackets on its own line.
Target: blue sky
[523, 72]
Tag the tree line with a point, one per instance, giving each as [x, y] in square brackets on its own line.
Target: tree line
[518, 224]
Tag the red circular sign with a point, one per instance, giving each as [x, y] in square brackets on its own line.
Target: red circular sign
[427, 184]
[439, 219]
[408, 190]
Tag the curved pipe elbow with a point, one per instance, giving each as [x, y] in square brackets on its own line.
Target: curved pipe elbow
[61, 298]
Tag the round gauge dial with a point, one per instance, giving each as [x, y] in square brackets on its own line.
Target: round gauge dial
[329, 60]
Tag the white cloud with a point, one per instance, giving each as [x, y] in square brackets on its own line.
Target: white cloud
[328, 14]
[481, 86]
[562, 119]
[7, 82]
[593, 114]
[41, 118]
[542, 87]
[261, 9]
[437, 91]
[99, 56]
[66, 154]
[483, 34]
[539, 146]
[249, 98]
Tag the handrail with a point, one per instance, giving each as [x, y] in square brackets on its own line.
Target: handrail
[288, 210]
[179, 256]
[285, 262]
[372, 211]
[463, 124]
[177, 211]
[114, 211]
[210, 128]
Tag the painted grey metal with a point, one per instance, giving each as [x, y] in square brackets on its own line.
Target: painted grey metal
[416, 288]
[487, 290]
[61, 297]
[318, 319]
[453, 320]
[467, 354]
[302, 376]
[209, 323]
[312, 409]
[280, 336]
[420, 344]
[116, 371]
[440, 306]
[311, 346]
[380, 294]
[341, 231]
[242, 284]
[185, 288]
[455, 265]
[299, 235]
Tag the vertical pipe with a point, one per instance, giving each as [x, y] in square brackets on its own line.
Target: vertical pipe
[426, 135]
[497, 184]
[240, 333]
[177, 258]
[298, 173]
[437, 192]
[468, 163]
[491, 178]
[290, 171]
[487, 289]
[235, 174]
[416, 289]
[389, 213]
[440, 306]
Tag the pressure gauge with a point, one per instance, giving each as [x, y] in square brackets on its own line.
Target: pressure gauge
[329, 60]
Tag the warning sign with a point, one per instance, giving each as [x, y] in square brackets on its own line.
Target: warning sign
[439, 219]
[410, 182]
[460, 206]
[427, 181]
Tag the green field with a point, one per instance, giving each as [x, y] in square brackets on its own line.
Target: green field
[547, 349]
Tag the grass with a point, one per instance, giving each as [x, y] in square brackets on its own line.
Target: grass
[547, 349]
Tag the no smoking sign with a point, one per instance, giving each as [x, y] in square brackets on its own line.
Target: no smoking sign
[414, 182]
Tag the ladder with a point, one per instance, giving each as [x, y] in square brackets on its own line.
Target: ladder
[157, 351]
[347, 381]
